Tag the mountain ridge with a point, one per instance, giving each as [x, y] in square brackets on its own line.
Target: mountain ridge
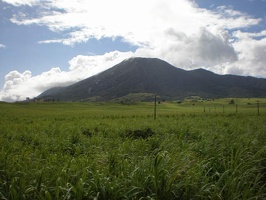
[155, 76]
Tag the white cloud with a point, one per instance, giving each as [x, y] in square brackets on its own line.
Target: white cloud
[203, 49]
[251, 55]
[247, 35]
[2, 46]
[138, 22]
[18, 86]
[21, 2]
[177, 31]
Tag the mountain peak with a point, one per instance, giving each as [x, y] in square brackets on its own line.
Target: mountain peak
[144, 61]
[201, 71]
[140, 59]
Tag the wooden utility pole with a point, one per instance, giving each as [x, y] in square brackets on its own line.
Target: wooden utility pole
[154, 107]
[258, 105]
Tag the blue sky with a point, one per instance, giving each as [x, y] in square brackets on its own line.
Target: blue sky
[56, 43]
[253, 7]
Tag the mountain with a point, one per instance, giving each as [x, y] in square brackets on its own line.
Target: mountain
[148, 76]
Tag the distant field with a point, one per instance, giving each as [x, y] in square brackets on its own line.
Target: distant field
[193, 150]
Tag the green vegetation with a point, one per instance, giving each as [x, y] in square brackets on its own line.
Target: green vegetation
[193, 150]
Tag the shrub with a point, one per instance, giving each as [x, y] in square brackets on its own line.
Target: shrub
[139, 133]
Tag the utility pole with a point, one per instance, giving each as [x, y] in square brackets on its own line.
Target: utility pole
[258, 105]
[154, 107]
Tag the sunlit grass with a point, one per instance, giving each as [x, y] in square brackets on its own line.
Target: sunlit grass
[116, 151]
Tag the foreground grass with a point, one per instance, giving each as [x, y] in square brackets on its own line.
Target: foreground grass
[114, 151]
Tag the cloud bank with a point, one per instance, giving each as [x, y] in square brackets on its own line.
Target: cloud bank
[179, 32]
[18, 86]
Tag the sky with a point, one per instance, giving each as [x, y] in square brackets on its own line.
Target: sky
[49, 43]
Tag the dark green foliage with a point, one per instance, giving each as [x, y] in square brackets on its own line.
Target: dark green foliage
[87, 132]
[232, 101]
[139, 134]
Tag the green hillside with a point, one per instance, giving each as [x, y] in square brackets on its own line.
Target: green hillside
[140, 76]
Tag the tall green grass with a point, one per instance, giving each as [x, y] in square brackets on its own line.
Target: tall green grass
[115, 151]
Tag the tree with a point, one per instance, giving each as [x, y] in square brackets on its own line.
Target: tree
[232, 101]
